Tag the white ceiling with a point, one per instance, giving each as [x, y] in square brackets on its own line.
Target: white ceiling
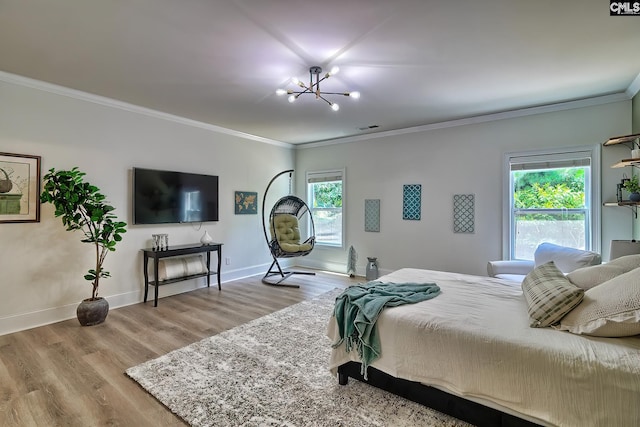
[416, 62]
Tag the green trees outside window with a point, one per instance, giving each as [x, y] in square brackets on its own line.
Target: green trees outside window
[549, 205]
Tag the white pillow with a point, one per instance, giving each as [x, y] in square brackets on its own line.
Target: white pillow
[566, 259]
[588, 277]
[549, 294]
[611, 309]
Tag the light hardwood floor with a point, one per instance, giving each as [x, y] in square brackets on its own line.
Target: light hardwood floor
[67, 375]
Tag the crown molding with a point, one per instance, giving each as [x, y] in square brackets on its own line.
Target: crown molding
[628, 94]
[109, 102]
[634, 87]
[588, 102]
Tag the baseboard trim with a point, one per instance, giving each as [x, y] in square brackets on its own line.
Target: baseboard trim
[23, 321]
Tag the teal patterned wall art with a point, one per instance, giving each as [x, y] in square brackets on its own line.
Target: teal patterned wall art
[411, 201]
[464, 213]
[372, 215]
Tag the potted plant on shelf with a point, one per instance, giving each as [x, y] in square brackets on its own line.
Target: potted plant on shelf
[83, 207]
[633, 187]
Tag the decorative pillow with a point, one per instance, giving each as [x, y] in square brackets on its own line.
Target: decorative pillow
[549, 294]
[588, 277]
[172, 268]
[611, 309]
[566, 259]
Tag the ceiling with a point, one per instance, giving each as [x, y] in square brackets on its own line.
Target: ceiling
[415, 62]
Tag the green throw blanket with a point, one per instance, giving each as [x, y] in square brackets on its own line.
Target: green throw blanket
[358, 307]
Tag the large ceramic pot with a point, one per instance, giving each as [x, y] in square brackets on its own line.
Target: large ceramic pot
[92, 312]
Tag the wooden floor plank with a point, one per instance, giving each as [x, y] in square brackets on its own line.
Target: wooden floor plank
[68, 375]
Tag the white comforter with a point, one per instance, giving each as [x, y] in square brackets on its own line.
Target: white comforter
[474, 340]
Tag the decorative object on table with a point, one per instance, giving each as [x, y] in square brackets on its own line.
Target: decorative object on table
[206, 238]
[87, 211]
[246, 202]
[314, 87]
[464, 213]
[372, 215]
[19, 188]
[160, 241]
[633, 187]
[372, 268]
[351, 262]
[411, 201]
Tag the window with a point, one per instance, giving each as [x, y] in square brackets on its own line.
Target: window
[551, 196]
[325, 191]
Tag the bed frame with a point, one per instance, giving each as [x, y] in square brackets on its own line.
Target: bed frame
[458, 407]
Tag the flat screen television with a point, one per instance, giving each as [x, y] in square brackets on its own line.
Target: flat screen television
[165, 197]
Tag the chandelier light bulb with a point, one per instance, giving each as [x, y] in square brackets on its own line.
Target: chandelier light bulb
[316, 76]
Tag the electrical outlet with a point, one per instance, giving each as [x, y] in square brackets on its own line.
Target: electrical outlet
[227, 261]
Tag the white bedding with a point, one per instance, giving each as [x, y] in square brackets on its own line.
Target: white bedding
[474, 340]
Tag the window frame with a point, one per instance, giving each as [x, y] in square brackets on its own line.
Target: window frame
[592, 194]
[329, 173]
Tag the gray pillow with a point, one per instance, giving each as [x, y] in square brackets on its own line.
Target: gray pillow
[549, 294]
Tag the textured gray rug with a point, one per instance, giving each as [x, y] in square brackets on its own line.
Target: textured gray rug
[273, 372]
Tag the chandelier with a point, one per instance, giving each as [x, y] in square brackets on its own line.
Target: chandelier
[314, 87]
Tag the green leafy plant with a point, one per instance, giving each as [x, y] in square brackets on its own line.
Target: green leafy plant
[632, 185]
[83, 207]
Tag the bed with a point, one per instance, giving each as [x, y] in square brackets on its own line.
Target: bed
[470, 352]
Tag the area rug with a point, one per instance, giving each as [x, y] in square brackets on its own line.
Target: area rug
[273, 371]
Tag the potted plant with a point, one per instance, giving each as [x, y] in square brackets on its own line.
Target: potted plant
[83, 207]
[633, 187]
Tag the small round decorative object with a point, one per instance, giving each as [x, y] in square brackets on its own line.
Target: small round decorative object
[92, 311]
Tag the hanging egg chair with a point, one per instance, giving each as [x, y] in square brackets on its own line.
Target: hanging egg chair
[284, 237]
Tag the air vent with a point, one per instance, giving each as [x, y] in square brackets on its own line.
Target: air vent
[369, 127]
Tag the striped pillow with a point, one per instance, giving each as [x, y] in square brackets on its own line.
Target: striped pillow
[549, 294]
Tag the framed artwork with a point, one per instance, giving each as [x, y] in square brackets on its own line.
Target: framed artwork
[411, 201]
[372, 215]
[464, 213]
[19, 188]
[246, 202]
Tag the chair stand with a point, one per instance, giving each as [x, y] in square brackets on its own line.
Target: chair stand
[283, 275]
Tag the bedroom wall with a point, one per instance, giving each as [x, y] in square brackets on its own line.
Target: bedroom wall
[455, 160]
[42, 265]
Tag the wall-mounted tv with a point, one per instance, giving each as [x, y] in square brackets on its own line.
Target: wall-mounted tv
[165, 197]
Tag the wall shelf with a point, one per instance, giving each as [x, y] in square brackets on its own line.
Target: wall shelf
[627, 162]
[624, 139]
[626, 203]
[630, 141]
